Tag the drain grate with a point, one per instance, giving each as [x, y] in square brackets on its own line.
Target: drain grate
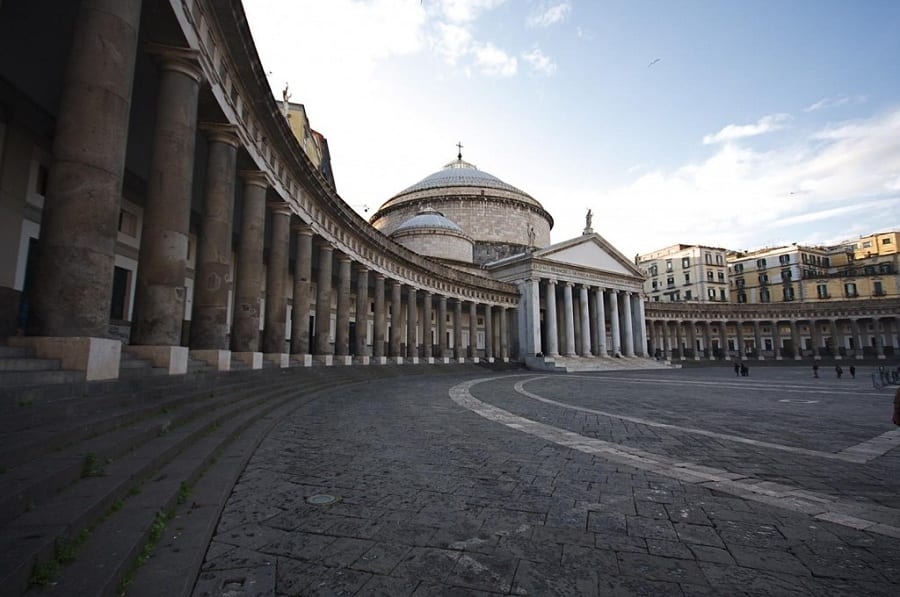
[322, 499]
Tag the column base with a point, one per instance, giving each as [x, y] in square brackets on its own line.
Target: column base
[489, 360]
[301, 360]
[98, 358]
[442, 360]
[459, 360]
[779, 358]
[220, 359]
[323, 360]
[474, 360]
[343, 360]
[838, 357]
[361, 360]
[817, 357]
[395, 360]
[279, 359]
[880, 357]
[378, 361]
[173, 359]
[798, 358]
[254, 360]
[858, 357]
[429, 360]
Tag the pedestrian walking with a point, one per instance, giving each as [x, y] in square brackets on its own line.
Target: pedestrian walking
[815, 371]
[838, 371]
[852, 371]
[737, 369]
[896, 417]
[745, 371]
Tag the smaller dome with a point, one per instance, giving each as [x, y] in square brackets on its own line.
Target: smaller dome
[428, 218]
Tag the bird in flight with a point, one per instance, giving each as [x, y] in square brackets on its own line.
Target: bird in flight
[654, 61]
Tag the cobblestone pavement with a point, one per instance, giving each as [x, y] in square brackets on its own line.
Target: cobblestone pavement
[684, 482]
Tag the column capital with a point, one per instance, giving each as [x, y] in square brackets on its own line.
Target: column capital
[255, 177]
[324, 245]
[343, 258]
[362, 268]
[279, 207]
[303, 229]
[221, 132]
[568, 283]
[551, 281]
[177, 59]
[378, 276]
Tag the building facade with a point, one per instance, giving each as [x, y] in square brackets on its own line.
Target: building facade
[685, 273]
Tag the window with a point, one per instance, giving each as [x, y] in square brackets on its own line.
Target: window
[786, 274]
[685, 262]
[722, 277]
[668, 265]
[822, 291]
[738, 268]
[804, 258]
[739, 282]
[670, 281]
[788, 293]
[867, 244]
[877, 288]
[884, 268]
[722, 294]
[654, 284]
[742, 297]
[710, 276]
[687, 277]
[719, 260]
[40, 185]
[687, 295]
[761, 264]
[850, 289]
[711, 293]
[117, 307]
[764, 296]
[826, 261]
[128, 223]
[764, 278]
[886, 241]
[708, 257]
[784, 259]
[653, 270]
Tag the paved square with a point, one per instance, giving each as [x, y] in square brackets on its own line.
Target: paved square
[685, 482]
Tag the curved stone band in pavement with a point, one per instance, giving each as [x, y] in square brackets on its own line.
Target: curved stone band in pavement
[465, 485]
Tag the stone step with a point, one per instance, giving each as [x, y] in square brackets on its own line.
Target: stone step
[28, 364]
[8, 352]
[81, 505]
[16, 383]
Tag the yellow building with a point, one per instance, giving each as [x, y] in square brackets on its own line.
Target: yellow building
[876, 245]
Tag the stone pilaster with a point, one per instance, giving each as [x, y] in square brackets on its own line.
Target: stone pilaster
[342, 326]
[380, 324]
[73, 281]
[159, 291]
[275, 332]
[552, 334]
[209, 322]
[323, 299]
[302, 290]
[245, 327]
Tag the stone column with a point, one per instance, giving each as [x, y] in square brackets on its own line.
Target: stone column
[692, 338]
[274, 334]
[323, 300]
[601, 324]
[245, 326]
[396, 319]
[585, 321]
[795, 340]
[504, 334]
[723, 339]
[362, 311]
[614, 322]
[473, 330]
[73, 282]
[528, 322]
[757, 339]
[740, 339]
[707, 339]
[836, 340]
[879, 343]
[816, 339]
[427, 325]
[627, 324]
[458, 353]
[412, 324]
[777, 341]
[302, 291]
[380, 323]
[641, 325]
[857, 338]
[159, 291]
[342, 324]
[569, 318]
[488, 333]
[442, 327]
[209, 322]
[552, 335]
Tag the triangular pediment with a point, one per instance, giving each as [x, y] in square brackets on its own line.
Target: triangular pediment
[589, 251]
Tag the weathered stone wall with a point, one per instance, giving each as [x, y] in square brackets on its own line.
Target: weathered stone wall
[436, 243]
[487, 252]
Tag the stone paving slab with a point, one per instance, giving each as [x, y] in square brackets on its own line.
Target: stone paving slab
[435, 498]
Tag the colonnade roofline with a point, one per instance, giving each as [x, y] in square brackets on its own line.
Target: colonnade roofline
[243, 93]
[774, 311]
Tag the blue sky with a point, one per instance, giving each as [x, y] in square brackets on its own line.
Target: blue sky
[762, 122]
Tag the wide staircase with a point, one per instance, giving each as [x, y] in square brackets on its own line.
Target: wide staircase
[94, 475]
[562, 364]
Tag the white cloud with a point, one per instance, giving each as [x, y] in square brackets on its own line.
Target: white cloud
[833, 102]
[465, 11]
[549, 14]
[766, 124]
[495, 62]
[539, 62]
[452, 42]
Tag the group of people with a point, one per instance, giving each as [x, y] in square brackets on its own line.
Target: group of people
[838, 370]
[741, 369]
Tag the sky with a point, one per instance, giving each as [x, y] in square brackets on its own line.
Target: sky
[730, 123]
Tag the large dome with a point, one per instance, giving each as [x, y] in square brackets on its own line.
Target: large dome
[500, 219]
